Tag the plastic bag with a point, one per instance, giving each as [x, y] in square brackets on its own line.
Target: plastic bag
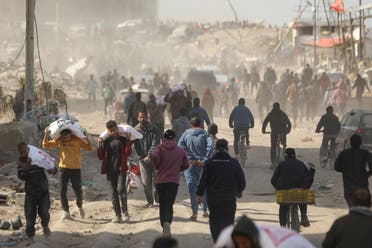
[123, 130]
[40, 158]
[62, 124]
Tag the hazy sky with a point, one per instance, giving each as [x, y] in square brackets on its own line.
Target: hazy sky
[273, 11]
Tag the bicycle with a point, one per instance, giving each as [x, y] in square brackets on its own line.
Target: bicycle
[242, 148]
[279, 151]
[294, 197]
[331, 153]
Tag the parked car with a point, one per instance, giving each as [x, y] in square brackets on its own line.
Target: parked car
[356, 121]
[180, 34]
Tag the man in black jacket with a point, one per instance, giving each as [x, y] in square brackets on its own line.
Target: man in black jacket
[280, 126]
[331, 127]
[291, 174]
[352, 163]
[37, 199]
[223, 179]
[354, 229]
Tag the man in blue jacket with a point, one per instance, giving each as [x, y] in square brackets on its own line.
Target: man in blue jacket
[199, 112]
[198, 148]
[241, 119]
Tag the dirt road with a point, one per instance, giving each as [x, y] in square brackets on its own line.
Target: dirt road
[258, 201]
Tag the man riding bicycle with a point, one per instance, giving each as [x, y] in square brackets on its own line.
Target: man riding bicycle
[241, 119]
[280, 126]
[292, 174]
[331, 127]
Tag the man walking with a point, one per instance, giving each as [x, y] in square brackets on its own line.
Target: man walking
[70, 165]
[181, 124]
[352, 164]
[169, 160]
[199, 112]
[223, 179]
[91, 89]
[135, 108]
[114, 152]
[195, 142]
[360, 85]
[144, 148]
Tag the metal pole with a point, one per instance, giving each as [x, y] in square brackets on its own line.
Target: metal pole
[314, 31]
[29, 82]
[351, 41]
[360, 48]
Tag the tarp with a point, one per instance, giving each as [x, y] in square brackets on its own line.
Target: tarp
[326, 42]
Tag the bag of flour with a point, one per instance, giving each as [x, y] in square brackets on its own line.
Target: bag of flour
[123, 130]
[40, 158]
[61, 124]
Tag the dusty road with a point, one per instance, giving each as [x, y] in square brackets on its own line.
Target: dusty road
[258, 201]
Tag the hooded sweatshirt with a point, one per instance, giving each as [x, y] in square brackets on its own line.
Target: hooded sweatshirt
[195, 142]
[169, 160]
[352, 230]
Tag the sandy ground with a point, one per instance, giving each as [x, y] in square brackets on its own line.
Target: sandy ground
[258, 201]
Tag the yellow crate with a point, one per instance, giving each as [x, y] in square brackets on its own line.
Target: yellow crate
[293, 196]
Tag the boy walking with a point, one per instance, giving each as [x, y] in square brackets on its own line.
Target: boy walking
[70, 165]
[114, 152]
[37, 198]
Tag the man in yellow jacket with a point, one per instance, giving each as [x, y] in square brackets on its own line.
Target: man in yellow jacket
[70, 165]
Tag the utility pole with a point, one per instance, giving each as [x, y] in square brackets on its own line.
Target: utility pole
[314, 31]
[29, 82]
[57, 23]
[360, 47]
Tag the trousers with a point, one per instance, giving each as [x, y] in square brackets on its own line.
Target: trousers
[36, 204]
[119, 192]
[75, 176]
[167, 196]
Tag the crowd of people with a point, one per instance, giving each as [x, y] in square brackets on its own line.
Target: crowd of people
[214, 178]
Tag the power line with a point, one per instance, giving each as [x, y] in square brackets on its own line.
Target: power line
[19, 53]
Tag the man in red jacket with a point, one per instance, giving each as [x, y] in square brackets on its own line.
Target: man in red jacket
[169, 160]
[114, 152]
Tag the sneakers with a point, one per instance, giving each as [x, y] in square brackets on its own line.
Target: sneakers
[66, 216]
[148, 205]
[46, 232]
[193, 217]
[205, 214]
[305, 222]
[166, 230]
[30, 241]
[82, 213]
[117, 219]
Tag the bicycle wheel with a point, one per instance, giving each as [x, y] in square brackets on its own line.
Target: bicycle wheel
[288, 217]
[278, 151]
[332, 154]
[295, 221]
[242, 154]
